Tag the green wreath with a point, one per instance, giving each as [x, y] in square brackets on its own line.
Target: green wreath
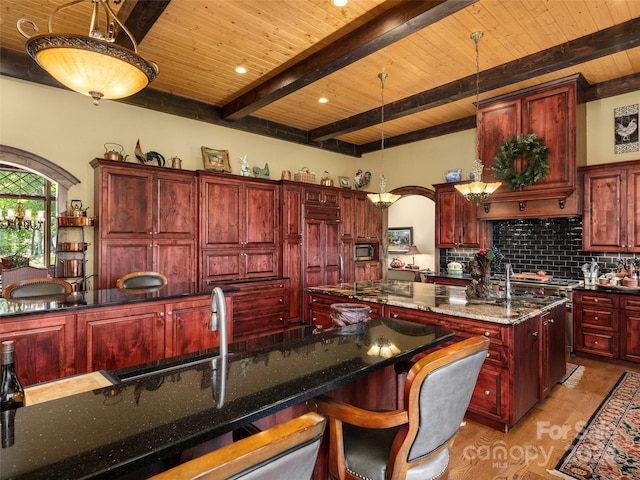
[535, 154]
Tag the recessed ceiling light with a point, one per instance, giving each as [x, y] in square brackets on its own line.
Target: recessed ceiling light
[241, 69]
[323, 100]
[339, 3]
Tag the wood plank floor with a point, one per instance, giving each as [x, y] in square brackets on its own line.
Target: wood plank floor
[538, 442]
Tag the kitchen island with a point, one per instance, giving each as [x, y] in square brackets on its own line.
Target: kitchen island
[527, 354]
[160, 409]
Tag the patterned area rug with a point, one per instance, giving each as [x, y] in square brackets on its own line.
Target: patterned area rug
[607, 447]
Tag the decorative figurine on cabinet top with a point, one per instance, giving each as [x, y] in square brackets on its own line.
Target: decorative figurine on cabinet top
[261, 172]
[244, 166]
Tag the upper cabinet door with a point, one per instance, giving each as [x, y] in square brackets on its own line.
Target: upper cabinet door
[220, 219]
[260, 217]
[550, 114]
[496, 123]
[175, 208]
[126, 208]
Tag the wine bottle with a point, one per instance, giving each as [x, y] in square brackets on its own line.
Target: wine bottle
[11, 391]
[7, 426]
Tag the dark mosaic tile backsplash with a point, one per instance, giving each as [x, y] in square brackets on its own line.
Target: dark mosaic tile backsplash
[553, 245]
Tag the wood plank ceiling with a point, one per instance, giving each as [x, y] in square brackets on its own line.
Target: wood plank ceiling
[296, 51]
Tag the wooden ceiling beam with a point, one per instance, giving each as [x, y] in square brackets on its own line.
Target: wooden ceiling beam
[139, 16]
[590, 47]
[393, 25]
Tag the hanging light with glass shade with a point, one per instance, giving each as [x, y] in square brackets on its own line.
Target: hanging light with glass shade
[93, 65]
[383, 199]
[477, 191]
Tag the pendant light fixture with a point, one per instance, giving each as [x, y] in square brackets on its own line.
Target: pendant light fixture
[92, 65]
[383, 199]
[477, 191]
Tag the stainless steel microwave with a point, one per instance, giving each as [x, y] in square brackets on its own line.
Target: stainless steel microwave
[364, 251]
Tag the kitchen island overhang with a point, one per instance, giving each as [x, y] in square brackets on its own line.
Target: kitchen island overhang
[173, 406]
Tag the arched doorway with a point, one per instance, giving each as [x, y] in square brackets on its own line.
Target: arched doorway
[416, 209]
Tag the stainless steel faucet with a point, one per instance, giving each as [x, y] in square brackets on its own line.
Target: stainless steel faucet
[507, 282]
[218, 319]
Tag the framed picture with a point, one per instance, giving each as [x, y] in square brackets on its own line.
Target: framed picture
[400, 239]
[344, 182]
[216, 160]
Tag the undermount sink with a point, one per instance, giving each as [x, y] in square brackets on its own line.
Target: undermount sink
[161, 366]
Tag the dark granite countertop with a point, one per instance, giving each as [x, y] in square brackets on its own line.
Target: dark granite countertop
[175, 405]
[609, 289]
[105, 298]
[445, 299]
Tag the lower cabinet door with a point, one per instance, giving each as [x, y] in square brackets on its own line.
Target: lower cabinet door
[44, 346]
[118, 337]
[188, 326]
[487, 395]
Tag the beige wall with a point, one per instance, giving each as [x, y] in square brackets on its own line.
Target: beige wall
[600, 129]
[68, 129]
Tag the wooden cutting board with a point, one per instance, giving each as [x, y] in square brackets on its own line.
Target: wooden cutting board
[64, 387]
[531, 277]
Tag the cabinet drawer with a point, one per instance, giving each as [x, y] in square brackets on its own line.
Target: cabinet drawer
[597, 343]
[595, 298]
[629, 302]
[493, 332]
[258, 323]
[256, 304]
[599, 318]
[409, 315]
[486, 397]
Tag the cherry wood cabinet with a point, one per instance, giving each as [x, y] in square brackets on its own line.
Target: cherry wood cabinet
[260, 308]
[145, 222]
[239, 228]
[322, 263]
[368, 220]
[630, 318]
[611, 215]
[187, 325]
[457, 224]
[367, 270]
[292, 254]
[111, 338]
[325, 196]
[44, 346]
[597, 323]
[553, 351]
[556, 113]
[607, 325]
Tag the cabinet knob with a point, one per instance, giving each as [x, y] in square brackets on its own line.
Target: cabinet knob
[487, 334]
[595, 318]
[395, 315]
[313, 300]
[282, 300]
[551, 320]
[595, 343]
[487, 392]
[488, 354]
[161, 314]
[150, 233]
[169, 312]
[595, 300]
